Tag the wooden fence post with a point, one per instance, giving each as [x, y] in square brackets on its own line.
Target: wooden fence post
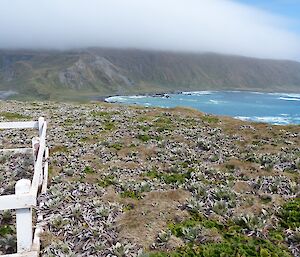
[35, 147]
[23, 219]
[45, 172]
[41, 124]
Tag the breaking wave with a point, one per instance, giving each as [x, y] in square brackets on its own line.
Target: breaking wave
[114, 99]
[276, 120]
[273, 108]
[198, 93]
[289, 98]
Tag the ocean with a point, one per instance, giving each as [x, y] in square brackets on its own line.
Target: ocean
[5, 94]
[273, 108]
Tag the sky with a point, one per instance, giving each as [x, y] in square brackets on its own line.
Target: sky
[287, 8]
[255, 28]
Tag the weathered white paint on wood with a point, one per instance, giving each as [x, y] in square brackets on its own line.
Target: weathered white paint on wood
[16, 150]
[46, 166]
[36, 246]
[35, 147]
[19, 125]
[26, 191]
[27, 254]
[23, 219]
[8, 202]
[41, 124]
[39, 162]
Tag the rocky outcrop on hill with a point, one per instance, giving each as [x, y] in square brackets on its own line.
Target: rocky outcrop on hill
[88, 70]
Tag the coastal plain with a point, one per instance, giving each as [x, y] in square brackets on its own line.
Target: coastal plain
[134, 181]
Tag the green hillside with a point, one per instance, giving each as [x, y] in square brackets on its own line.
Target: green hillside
[74, 75]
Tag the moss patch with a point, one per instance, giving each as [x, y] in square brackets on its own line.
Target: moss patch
[290, 214]
[170, 178]
[13, 116]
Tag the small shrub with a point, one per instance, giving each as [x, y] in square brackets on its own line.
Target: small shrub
[88, 170]
[107, 181]
[170, 178]
[69, 122]
[290, 214]
[264, 253]
[131, 194]
[236, 246]
[6, 230]
[128, 207]
[230, 240]
[210, 119]
[7, 216]
[108, 125]
[230, 167]
[8, 244]
[144, 137]
[117, 146]
[276, 236]
[265, 199]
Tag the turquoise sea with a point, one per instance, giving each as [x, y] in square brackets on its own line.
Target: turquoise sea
[274, 108]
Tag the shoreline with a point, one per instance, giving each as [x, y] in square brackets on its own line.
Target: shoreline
[267, 105]
[167, 93]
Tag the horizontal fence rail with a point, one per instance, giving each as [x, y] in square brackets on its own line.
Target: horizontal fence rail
[26, 191]
[20, 125]
[17, 150]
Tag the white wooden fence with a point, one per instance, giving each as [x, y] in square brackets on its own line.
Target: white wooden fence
[26, 191]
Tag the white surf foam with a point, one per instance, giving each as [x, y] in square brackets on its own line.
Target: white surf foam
[256, 93]
[293, 95]
[216, 102]
[276, 120]
[289, 98]
[197, 92]
[245, 118]
[116, 99]
[136, 96]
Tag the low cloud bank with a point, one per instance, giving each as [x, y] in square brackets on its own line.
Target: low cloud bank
[179, 25]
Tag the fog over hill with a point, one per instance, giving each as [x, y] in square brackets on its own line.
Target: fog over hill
[78, 74]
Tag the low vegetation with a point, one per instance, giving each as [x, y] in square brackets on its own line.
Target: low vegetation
[14, 116]
[131, 181]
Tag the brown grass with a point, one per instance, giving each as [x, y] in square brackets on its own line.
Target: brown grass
[151, 215]
[249, 169]
[146, 151]
[257, 205]
[47, 238]
[241, 187]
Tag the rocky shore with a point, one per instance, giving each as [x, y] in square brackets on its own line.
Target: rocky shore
[131, 181]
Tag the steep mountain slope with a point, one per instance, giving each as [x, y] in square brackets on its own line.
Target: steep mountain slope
[96, 71]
